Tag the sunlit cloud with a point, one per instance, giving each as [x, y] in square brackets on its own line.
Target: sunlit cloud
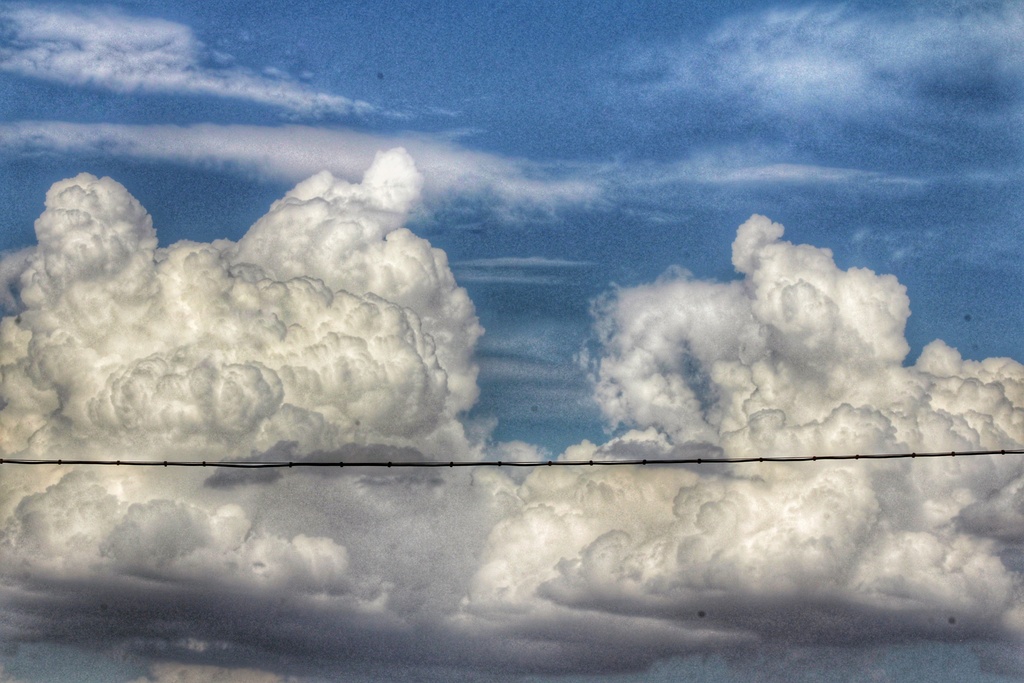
[366, 344]
[797, 357]
[330, 255]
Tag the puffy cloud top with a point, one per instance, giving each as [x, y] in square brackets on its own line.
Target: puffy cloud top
[795, 357]
[351, 238]
[327, 324]
[92, 231]
[315, 332]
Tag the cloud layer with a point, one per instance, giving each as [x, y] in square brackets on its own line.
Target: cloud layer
[836, 61]
[106, 49]
[329, 327]
[294, 152]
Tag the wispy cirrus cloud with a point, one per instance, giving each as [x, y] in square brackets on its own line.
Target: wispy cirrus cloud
[293, 152]
[517, 270]
[109, 50]
[756, 165]
[760, 168]
[833, 59]
[802, 173]
[450, 170]
[523, 262]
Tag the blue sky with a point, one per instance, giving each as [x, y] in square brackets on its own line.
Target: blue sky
[584, 168]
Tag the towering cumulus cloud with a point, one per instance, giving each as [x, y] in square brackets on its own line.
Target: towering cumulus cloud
[328, 327]
[796, 357]
[327, 324]
[351, 237]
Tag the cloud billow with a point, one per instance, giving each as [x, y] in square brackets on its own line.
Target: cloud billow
[129, 346]
[796, 357]
[329, 328]
[119, 348]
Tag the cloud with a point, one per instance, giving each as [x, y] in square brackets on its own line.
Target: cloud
[517, 270]
[799, 173]
[327, 323]
[170, 672]
[797, 343]
[79, 522]
[450, 172]
[103, 48]
[330, 328]
[749, 165]
[4, 678]
[796, 357]
[523, 262]
[295, 152]
[808, 60]
[12, 264]
[344, 334]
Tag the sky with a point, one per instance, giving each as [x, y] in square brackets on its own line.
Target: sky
[511, 231]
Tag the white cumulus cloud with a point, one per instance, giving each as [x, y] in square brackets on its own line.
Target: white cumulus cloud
[329, 330]
[328, 323]
[329, 327]
[787, 356]
[796, 357]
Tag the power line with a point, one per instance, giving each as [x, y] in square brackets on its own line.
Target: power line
[269, 464]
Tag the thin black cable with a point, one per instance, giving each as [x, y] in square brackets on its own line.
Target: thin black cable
[257, 464]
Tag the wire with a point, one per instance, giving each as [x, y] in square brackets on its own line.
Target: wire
[258, 464]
